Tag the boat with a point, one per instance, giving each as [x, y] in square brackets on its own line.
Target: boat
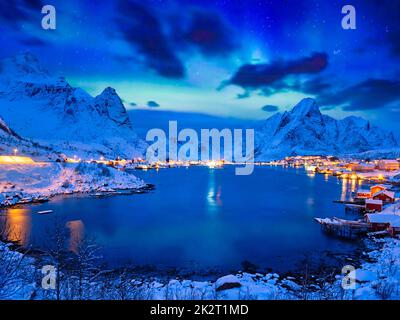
[355, 207]
[98, 195]
[25, 200]
[382, 233]
[142, 167]
[45, 212]
[40, 199]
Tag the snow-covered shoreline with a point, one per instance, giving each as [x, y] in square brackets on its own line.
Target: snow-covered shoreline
[378, 279]
[20, 183]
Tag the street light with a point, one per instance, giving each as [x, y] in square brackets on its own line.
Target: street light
[15, 151]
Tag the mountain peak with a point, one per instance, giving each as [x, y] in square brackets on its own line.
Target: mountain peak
[46, 108]
[305, 131]
[109, 103]
[109, 91]
[307, 106]
[110, 94]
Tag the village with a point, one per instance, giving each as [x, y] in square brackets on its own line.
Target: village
[374, 185]
[375, 200]
[374, 193]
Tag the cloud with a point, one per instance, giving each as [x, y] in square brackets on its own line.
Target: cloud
[132, 104]
[19, 10]
[209, 33]
[271, 75]
[164, 38]
[366, 95]
[142, 29]
[386, 28]
[313, 86]
[32, 42]
[388, 12]
[270, 108]
[34, 4]
[152, 104]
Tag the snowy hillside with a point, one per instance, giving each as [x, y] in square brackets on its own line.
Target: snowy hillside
[9, 141]
[306, 131]
[48, 110]
[22, 182]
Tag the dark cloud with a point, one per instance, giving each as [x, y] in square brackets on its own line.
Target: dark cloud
[265, 76]
[34, 4]
[133, 104]
[141, 28]
[243, 95]
[367, 95]
[313, 86]
[152, 104]
[15, 11]
[388, 12]
[270, 108]
[161, 38]
[279, 86]
[32, 42]
[385, 17]
[208, 32]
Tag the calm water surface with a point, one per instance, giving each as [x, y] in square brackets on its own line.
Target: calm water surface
[201, 218]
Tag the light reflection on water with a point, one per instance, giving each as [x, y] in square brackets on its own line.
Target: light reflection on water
[76, 229]
[214, 195]
[209, 216]
[16, 224]
[349, 187]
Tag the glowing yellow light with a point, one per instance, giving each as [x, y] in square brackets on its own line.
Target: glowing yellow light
[15, 160]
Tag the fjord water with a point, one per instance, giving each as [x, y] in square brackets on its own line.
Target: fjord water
[202, 218]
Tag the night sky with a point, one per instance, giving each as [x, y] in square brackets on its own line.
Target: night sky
[237, 58]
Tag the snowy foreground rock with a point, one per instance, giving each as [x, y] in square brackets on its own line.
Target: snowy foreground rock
[227, 282]
[25, 183]
[374, 280]
[381, 279]
[17, 274]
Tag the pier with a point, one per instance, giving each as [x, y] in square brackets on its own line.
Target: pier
[343, 228]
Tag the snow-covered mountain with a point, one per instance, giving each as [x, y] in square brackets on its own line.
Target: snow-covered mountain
[5, 131]
[9, 141]
[306, 131]
[48, 110]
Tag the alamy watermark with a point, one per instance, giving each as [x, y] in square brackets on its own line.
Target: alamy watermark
[349, 20]
[185, 145]
[49, 20]
[49, 279]
[349, 279]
